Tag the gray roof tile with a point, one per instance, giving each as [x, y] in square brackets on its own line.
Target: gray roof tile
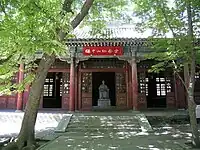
[109, 33]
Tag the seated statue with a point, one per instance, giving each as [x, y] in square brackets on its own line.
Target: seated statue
[103, 91]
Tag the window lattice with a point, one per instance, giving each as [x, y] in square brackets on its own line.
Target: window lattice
[168, 85]
[48, 87]
[61, 86]
[143, 83]
[66, 84]
[87, 82]
[197, 75]
[163, 86]
[120, 83]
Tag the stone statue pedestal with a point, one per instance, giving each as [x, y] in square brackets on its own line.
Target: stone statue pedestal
[103, 103]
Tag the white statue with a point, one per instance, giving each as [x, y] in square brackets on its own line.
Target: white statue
[103, 91]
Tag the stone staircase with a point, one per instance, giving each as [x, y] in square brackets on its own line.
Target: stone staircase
[95, 124]
[112, 130]
[99, 131]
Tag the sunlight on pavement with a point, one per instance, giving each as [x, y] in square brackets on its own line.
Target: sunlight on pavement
[10, 122]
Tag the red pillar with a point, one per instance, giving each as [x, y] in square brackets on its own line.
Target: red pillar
[20, 94]
[127, 86]
[26, 95]
[134, 84]
[72, 87]
[76, 89]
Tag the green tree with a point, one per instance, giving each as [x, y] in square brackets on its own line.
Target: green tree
[29, 26]
[180, 19]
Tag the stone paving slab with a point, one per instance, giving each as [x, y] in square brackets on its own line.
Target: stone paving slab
[10, 122]
[106, 113]
[63, 124]
[144, 123]
[165, 113]
[101, 143]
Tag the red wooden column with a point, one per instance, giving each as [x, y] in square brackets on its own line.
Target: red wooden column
[79, 86]
[127, 86]
[134, 83]
[20, 94]
[76, 87]
[72, 86]
[26, 95]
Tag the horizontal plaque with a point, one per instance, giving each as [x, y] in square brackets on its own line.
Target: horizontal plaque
[103, 50]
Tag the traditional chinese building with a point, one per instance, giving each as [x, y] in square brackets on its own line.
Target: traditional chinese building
[115, 56]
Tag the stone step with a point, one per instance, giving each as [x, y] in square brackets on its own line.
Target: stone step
[98, 141]
[110, 125]
[103, 126]
[76, 125]
[104, 121]
[114, 137]
[102, 130]
[108, 114]
[99, 133]
[105, 117]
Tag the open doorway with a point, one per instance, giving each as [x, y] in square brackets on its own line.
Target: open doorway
[52, 95]
[109, 78]
[157, 91]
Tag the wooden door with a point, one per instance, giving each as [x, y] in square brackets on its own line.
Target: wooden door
[65, 90]
[121, 95]
[142, 89]
[86, 91]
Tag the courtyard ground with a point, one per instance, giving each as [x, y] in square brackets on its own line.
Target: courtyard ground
[101, 131]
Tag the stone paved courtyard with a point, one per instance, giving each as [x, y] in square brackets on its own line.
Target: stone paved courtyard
[104, 131]
[100, 131]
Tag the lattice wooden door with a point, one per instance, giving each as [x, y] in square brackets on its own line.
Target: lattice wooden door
[121, 96]
[86, 91]
[65, 90]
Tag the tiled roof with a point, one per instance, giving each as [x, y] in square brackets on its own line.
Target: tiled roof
[117, 35]
[109, 33]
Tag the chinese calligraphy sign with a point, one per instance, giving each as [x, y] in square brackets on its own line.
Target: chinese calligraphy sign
[102, 50]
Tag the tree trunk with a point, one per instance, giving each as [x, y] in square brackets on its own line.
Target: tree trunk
[190, 90]
[192, 106]
[26, 138]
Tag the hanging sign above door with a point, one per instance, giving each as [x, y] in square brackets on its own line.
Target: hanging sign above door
[103, 50]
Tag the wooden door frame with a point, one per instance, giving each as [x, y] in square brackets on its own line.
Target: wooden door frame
[91, 70]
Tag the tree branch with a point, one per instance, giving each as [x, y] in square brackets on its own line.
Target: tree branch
[3, 8]
[166, 19]
[182, 81]
[175, 66]
[67, 6]
[81, 15]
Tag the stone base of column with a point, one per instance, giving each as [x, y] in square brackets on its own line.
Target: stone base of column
[19, 111]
